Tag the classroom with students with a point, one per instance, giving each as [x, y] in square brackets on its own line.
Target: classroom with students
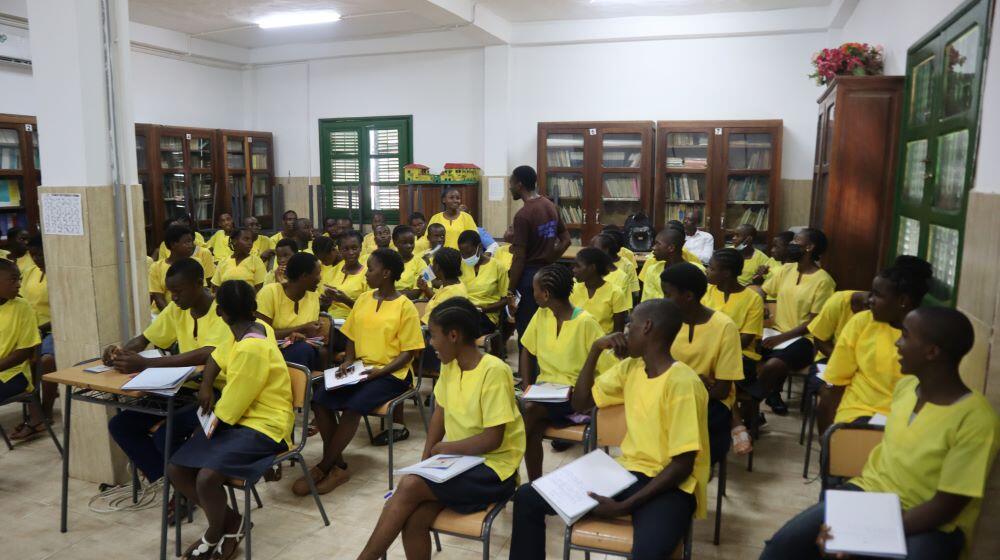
[386, 279]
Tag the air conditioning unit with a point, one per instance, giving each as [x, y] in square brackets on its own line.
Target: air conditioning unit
[14, 46]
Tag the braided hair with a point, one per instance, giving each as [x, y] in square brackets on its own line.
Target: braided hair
[457, 314]
[599, 259]
[555, 279]
[391, 261]
[237, 299]
[449, 262]
[818, 240]
[729, 259]
[910, 276]
[609, 243]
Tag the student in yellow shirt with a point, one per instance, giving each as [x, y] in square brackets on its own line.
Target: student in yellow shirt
[668, 249]
[454, 220]
[623, 272]
[180, 245]
[292, 310]
[666, 446]
[710, 343]
[18, 340]
[626, 253]
[863, 369]
[263, 247]
[606, 302]
[35, 289]
[941, 439]
[435, 239]
[557, 339]
[403, 238]
[191, 322]
[184, 220]
[325, 250]
[304, 234]
[241, 264]
[801, 287]
[288, 227]
[418, 222]
[368, 246]
[743, 240]
[283, 252]
[485, 279]
[383, 331]
[839, 308]
[17, 249]
[255, 419]
[382, 236]
[331, 228]
[347, 280]
[218, 244]
[778, 257]
[476, 413]
[447, 268]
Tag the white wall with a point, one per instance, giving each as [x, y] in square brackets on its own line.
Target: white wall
[988, 166]
[692, 79]
[168, 91]
[18, 92]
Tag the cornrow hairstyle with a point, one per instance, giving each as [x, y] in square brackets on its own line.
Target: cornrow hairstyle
[188, 269]
[399, 230]
[910, 276]
[449, 261]
[470, 237]
[322, 245]
[457, 314]
[599, 259]
[818, 240]
[351, 233]
[290, 243]
[729, 259]
[391, 261]
[609, 243]
[299, 265]
[950, 330]
[175, 233]
[237, 299]
[556, 279]
[686, 277]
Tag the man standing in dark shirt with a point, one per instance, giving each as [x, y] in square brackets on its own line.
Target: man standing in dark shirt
[540, 238]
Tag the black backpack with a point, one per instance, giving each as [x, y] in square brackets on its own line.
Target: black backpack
[639, 232]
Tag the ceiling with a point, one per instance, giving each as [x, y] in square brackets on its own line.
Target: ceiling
[543, 10]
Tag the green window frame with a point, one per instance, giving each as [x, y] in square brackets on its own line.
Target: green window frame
[940, 132]
[362, 163]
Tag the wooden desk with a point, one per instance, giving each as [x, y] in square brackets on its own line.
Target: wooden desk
[106, 389]
[574, 250]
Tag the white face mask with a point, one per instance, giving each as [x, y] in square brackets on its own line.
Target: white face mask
[472, 261]
[744, 245]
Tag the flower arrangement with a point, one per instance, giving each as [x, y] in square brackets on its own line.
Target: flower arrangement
[855, 59]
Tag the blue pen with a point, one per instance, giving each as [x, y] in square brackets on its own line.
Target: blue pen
[388, 495]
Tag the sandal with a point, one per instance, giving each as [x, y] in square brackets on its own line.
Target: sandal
[201, 549]
[220, 549]
[398, 435]
[741, 440]
[26, 431]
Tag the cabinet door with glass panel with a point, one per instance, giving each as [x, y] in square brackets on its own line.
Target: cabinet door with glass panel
[941, 118]
[248, 163]
[562, 171]
[683, 171]
[751, 167]
[19, 172]
[144, 137]
[626, 183]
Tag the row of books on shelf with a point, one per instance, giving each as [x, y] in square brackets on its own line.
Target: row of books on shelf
[751, 188]
[685, 187]
[168, 143]
[621, 187]
[10, 158]
[258, 161]
[690, 139]
[571, 214]
[680, 211]
[622, 159]
[571, 187]
[695, 162]
[565, 157]
[755, 216]
[10, 193]
[759, 159]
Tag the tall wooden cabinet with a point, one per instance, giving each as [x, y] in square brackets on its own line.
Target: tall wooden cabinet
[20, 172]
[725, 172]
[598, 173]
[247, 171]
[857, 134]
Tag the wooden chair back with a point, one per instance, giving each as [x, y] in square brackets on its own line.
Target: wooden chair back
[846, 448]
[610, 426]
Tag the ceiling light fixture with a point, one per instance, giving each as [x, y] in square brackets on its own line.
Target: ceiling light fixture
[290, 19]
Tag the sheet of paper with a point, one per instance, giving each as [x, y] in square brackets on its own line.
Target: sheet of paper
[547, 392]
[878, 419]
[158, 379]
[821, 372]
[566, 489]
[497, 188]
[62, 214]
[428, 470]
[428, 275]
[865, 523]
[783, 345]
[356, 373]
[151, 353]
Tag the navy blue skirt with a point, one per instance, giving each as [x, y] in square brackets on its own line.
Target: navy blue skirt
[474, 490]
[796, 355]
[235, 451]
[363, 397]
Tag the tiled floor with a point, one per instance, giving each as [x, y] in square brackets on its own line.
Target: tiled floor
[290, 528]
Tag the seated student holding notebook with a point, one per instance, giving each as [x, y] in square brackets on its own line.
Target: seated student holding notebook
[623, 272]
[666, 446]
[403, 237]
[753, 258]
[283, 252]
[863, 370]
[557, 340]
[218, 244]
[18, 340]
[485, 279]
[726, 294]
[831, 320]
[255, 419]
[347, 280]
[453, 218]
[801, 288]
[941, 439]
[606, 302]
[668, 247]
[190, 321]
[418, 223]
[292, 310]
[710, 343]
[241, 264]
[476, 413]
[180, 244]
[383, 331]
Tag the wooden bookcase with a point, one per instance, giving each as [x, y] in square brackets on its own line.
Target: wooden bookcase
[144, 139]
[20, 174]
[426, 199]
[729, 172]
[857, 136]
[247, 170]
[598, 173]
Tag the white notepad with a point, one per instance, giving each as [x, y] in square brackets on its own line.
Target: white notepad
[785, 344]
[356, 373]
[441, 468]
[547, 392]
[821, 372]
[878, 419]
[208, 422]
[163, 380]
[865, 523]
[566, 489]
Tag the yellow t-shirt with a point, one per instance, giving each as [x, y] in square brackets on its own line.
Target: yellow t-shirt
[207, 263]
[631, 276]
[482, 398]
[442, 294]
[35, 289]
[25, 263]
[278, 237]
[20, 330]
[488, 286]
[261, 244]
[272, 302]
[4, 253]
[411, 272]
[351, 284]
[942, 448]
[750, 266]
[608, 300]
[368, 247]
[382, 330]
[258, 392]
[199, 242]
[691, 258]
[833, 317]
[504, 256]
[745, 308]
[797, 298]
[666, 416]
[251, 270]
[174, 324]
[866, 362]
[560, 355]
[218, 244]
[651, 286]
[712, 350]
[421, 245]
[627, 253]
[453, 228]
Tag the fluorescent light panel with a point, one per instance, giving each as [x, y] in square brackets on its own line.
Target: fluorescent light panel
[290, 19]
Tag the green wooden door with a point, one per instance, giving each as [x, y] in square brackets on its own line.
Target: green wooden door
[944, 72]
[361, 164]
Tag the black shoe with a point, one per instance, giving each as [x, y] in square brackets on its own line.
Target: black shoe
[776, 403]
[559, 445]
[398, 434]
[761, 420]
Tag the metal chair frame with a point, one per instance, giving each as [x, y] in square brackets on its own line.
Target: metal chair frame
[824, 457]
[25, 398]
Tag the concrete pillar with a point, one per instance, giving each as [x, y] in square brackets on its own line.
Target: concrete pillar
[69, 67]
[496, 214]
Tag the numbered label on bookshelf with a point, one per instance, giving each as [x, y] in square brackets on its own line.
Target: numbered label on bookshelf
[718, 132]
[187, 136]
[28, 128]
[593, 132]
[250, 139]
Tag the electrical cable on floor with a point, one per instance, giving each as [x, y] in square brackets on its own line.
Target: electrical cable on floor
[119, 498]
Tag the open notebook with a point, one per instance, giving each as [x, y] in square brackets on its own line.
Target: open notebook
[441, 468]
[566, 489]
[865, 523]
[547, 393]
[356, 373]
[162, 380]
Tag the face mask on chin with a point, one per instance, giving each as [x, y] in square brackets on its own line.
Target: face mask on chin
[472, 261]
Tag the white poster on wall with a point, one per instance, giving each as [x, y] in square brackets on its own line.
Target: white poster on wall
[62, 214]
[497, 187]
